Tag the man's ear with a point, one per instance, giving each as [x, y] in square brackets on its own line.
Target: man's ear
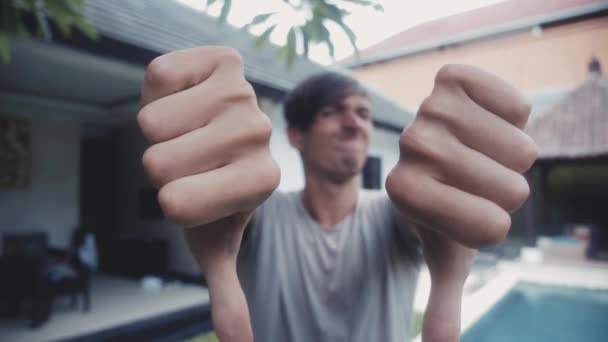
[296, 137]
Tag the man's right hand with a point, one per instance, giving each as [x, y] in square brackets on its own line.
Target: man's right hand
[210, 158]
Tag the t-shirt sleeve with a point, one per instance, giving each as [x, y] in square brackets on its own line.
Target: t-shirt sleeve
[255, 230]
[397, 233]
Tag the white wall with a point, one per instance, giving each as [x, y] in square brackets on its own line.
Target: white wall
[385, 144]
[51, 202]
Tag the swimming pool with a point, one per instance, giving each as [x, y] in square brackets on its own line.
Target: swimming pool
[531, 313]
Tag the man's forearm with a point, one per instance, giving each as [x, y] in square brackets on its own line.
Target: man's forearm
[442, 315]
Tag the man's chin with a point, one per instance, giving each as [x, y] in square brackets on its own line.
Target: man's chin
[346, 174]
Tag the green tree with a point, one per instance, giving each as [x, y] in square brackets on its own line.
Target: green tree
[300, 37]
[65, 14]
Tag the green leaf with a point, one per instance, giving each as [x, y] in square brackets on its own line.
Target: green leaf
[64, 24]
[225, 11]
[282, 52]
[5, 49]
[305, 39]
[258, 19]
[336, 15]
[325, 37]
[330, 48]
[291, 46]
[210, 2]
[264, 37]
[86, 28]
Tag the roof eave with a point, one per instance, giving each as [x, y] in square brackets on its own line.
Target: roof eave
[468, 37]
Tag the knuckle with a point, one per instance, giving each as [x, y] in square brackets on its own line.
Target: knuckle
[172, 204]
[519, 194]
[254, 130]
[392, 185]
[159, 70]
[400, 181]
[420, 140]
[228, 55]
[243, 91]
[433, 108]
[147, 123]
[238, 92]
[497, 229]
[263, 127]
[272, 175]
[522, 108]
[529, 152]
[520, 111]
[155, 168]
[248, 90]
[267, 179]
[449, 73]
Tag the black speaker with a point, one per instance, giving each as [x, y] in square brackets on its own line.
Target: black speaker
[372, 173]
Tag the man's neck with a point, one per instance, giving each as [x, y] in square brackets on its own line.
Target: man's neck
[329, 203]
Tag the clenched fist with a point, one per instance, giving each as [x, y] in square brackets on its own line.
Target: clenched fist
[462, 159]
[210, 158]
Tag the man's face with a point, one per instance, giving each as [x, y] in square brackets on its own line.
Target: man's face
[335, 146]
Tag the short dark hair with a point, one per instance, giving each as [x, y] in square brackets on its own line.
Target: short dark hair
[304, 102]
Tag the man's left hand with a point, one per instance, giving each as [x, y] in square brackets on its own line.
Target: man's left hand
[462, 159]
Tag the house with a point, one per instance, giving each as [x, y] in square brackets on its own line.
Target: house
[81, 98]
[540, 46]
[570, 177]
[77, 161]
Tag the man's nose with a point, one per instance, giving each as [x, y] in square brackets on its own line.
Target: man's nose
[350, 120]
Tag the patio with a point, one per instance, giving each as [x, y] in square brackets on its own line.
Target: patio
[120, 307]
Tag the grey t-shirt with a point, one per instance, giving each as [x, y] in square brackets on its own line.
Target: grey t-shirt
[354, 282]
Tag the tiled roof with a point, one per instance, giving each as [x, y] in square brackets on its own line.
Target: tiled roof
[478, 20]
[577, 126]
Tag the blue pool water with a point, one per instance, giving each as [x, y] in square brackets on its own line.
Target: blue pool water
[532, 313]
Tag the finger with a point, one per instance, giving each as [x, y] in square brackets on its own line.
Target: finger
[470, 171]
[179, 70]
[497, 139]
[482, 131]
[188, 110]
[207, 197]
[207, 148]
[449, 210]
[489, 91]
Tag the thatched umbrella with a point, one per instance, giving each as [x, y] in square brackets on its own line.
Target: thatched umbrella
[575, 130]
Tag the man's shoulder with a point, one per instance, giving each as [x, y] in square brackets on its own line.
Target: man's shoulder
[373, 198]
[279, 201]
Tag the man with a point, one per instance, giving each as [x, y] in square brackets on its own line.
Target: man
[331, 263]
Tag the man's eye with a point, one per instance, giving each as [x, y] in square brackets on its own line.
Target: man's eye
[328, 112]
[364, 114]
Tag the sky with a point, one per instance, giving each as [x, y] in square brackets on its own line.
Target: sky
[369, 26]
